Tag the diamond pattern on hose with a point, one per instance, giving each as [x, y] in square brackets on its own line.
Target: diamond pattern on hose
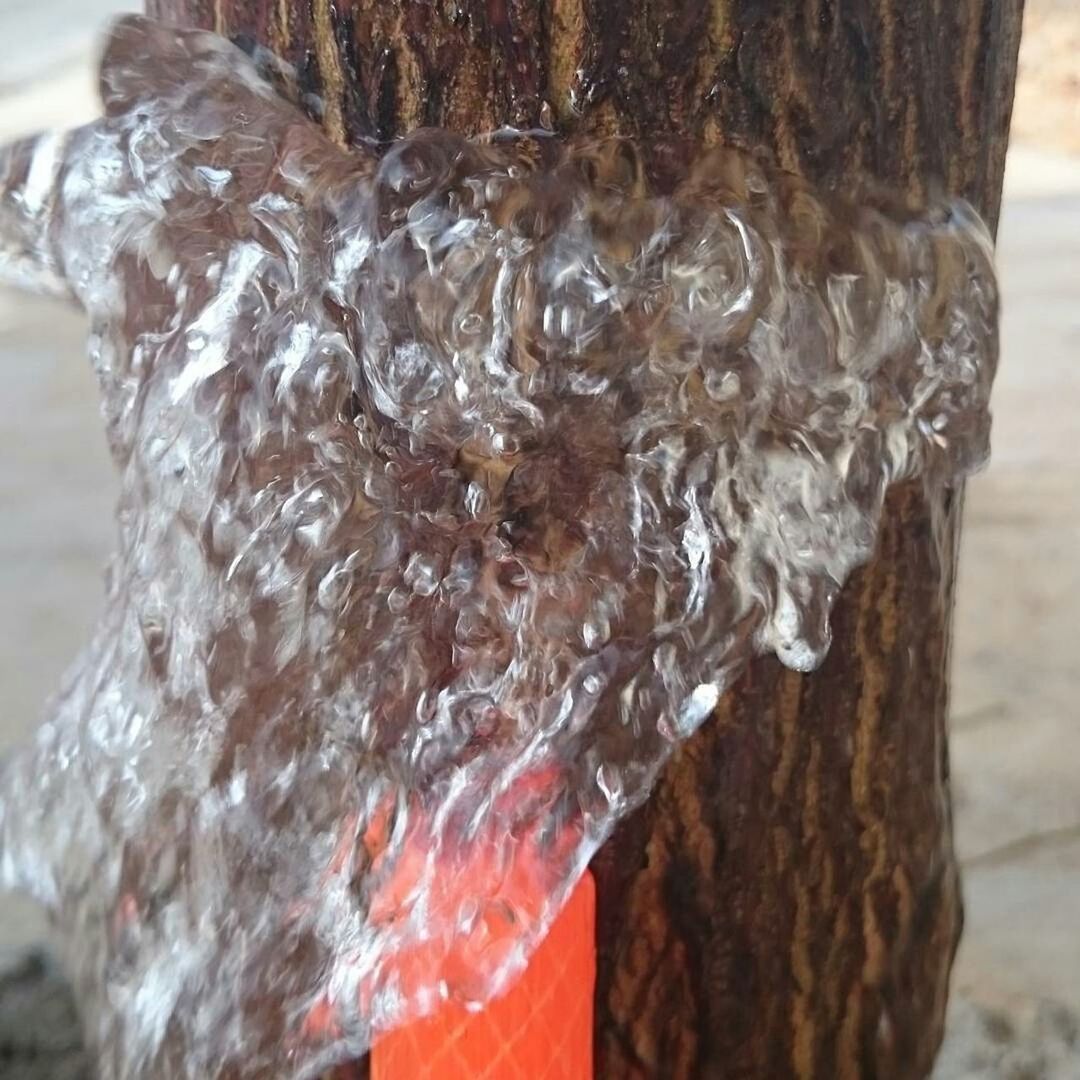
[541, 1029]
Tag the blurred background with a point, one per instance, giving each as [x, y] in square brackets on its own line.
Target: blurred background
[1016, 690]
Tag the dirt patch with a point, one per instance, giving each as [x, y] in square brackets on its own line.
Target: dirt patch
[40, 1037]
[1040, 1042]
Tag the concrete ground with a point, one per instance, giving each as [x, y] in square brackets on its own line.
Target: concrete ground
[1016, 712]
[1016, 674]
[1016, 690]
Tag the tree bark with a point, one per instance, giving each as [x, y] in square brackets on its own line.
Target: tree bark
[787, 904]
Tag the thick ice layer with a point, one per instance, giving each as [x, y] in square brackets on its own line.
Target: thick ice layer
[459, 480]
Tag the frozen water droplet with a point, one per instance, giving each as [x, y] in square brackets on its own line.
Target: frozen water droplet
[610, 783]
[722, 385]
[422, 574]
[696, 708]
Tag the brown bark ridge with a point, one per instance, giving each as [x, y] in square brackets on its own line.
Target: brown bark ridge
[787, 904]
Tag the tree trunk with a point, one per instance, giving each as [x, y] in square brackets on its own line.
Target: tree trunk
[787, 904]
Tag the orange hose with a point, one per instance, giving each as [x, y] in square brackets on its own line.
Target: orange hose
[540, 1029]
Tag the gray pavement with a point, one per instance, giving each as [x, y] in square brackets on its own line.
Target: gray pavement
[1016, 690]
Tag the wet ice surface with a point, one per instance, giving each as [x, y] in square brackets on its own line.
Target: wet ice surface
[458, 481]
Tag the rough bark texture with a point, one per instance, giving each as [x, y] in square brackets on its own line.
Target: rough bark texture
[787, 905]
